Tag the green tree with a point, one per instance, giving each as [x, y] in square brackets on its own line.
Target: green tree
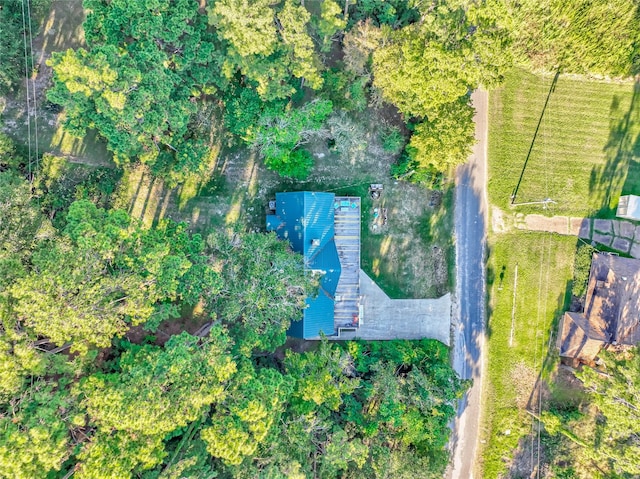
[294, 22]
[444, 140]
[22, 223]
[19, 360]
[115, 455]
[105, 273]
[34, 438]
[243, 421]
[248, 26]
[616, 395]
[322, 378]
[154, 392]
[457, 47]
[264, 287]
[269, 43]
[395, 13]
[330, 22]
[279, 133]
[69, 297]
[138, 85]
[404, 406]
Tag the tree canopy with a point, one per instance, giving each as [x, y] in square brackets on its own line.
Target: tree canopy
[138, 84]
[106, 273]
[599, 438]
[457, 47]
[153, 352]
[278, 135]
[263, 288]
[218, 403]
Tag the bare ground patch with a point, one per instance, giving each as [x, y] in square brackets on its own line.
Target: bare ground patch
[60, 29]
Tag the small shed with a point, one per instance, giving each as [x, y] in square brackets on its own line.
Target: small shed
[629, 207]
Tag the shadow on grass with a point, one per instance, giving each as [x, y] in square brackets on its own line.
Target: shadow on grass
[531, 455]
[621, 172]
[552, 88]
[490, 280]
[552, 358]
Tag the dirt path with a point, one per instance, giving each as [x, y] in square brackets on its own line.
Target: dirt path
[618, 235]
[469, 313]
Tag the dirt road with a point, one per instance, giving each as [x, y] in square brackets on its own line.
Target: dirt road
[469, 326]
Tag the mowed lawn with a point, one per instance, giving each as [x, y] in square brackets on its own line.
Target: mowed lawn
[519, 333]
[586, 152]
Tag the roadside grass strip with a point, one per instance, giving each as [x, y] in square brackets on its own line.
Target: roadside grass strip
[544, 268]
[585, 152]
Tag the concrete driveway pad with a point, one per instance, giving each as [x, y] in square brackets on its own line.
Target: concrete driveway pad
[386, 318]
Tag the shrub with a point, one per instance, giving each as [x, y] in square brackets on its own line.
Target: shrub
[581, 269]
[296, 164]
[392, 140]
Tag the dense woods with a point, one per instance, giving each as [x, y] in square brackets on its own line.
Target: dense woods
[90, 383]
[140, 83]
[102, 374]
[78, 394]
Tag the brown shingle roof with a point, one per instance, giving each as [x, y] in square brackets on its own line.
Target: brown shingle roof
[577, 340]
[612, 309]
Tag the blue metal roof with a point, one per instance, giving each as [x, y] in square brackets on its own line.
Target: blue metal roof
[306, 220]
[317, 317]
[327, 261]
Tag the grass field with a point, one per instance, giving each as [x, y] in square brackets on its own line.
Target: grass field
[519, 344]
[586, 151]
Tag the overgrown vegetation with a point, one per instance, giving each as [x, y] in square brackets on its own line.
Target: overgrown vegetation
[581, 269]
[594, 37]
[216, 403]
[140, 84]
[596, 436]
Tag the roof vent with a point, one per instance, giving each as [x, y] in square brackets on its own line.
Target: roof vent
[315, 242]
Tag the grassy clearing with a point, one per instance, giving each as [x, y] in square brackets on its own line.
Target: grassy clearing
[545, 269]
[586, 152]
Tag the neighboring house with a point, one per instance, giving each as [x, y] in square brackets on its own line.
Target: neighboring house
[325, 229]
[629, 207]
[611, 314]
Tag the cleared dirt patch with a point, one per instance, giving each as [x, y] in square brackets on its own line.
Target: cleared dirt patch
[60, 30]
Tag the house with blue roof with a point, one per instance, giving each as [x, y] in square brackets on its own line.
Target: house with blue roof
[325, 229]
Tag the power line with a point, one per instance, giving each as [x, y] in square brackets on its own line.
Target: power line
[535, 135]
[26, 72]
[535, 350]
[34, 89]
